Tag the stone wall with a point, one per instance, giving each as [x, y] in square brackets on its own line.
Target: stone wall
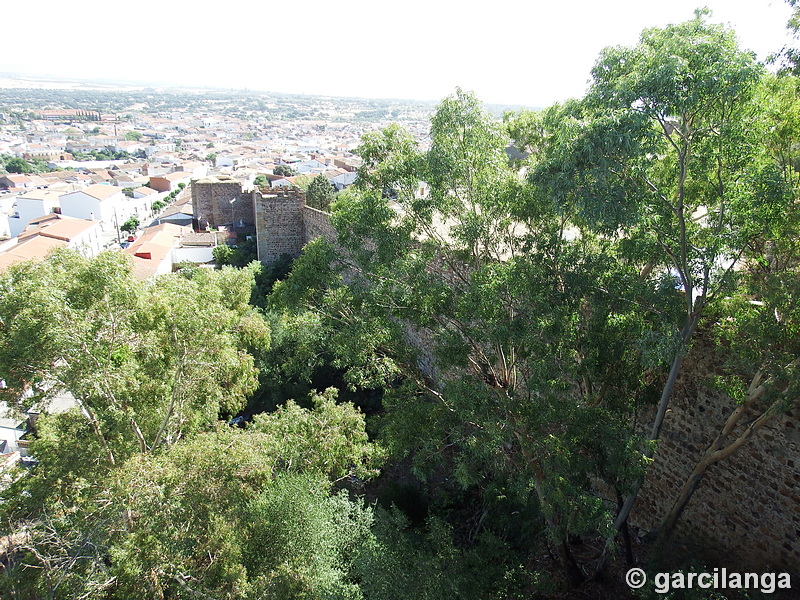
[279, 224]
[747, 508]
[211, 199]
[317, 223]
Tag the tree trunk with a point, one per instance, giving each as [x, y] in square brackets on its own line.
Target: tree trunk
[716, 452]
[666, 394]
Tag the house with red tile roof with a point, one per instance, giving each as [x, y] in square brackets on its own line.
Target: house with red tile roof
[170, 181]
[20, 181]
[45, 234]
[104, 203]
[153, 252]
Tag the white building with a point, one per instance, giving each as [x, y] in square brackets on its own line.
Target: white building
[30, 206]
[104, 203]
[45, 234]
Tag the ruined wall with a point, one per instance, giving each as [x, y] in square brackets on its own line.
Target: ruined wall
[211, 199]
[747, 508]
[317, 223]
[279, 224]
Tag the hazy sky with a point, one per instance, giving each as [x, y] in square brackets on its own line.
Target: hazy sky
[530, 52]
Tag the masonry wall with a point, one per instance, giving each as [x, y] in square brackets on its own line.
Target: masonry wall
[279, 224]
[211, 199]
[317, 223]
[747, 507]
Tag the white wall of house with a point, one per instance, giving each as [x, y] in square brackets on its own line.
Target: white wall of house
[15, 226]
[90, 242]
[108, 211]
[83, 206]
[31, 208]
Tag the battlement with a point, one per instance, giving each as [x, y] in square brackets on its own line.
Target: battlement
[282, 221]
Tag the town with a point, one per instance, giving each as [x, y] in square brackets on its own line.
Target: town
[120, 176]
[342, 348]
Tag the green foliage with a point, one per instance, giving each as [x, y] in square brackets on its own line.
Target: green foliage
[223, 255]
[158, 205]
[18, 165]
[241, 256]
[320, 193]
[148, 363]
[131, 225]
[261, 181]
[400, 561]
[133, 136]
[531, 352]
[284, 171]
[106, 154]
[353, 330]
[256, 520]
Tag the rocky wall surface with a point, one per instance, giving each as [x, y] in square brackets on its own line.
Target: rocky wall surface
[317, 223]
[279, 224]
[747, 507]
[221, 201]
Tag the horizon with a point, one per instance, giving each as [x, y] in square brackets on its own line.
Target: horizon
[516, 55]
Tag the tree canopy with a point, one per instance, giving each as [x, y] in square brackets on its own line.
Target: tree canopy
[320, 193]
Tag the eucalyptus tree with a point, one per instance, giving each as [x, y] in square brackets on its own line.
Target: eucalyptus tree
[665, 156]
[504, 364]
[148, 363]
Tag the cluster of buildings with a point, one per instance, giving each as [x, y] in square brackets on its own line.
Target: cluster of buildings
[82, 204]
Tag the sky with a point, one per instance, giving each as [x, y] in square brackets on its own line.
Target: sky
[520, 52]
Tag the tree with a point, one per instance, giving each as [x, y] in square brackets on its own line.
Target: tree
[320, 193]
[664, 156]
[131, 225]
[261, 520]
[261, 181]
[212, 158]
[18, 165]
[509, 310]
[284, 171]
[143, 361]
[788, 57]
[133, 136]
[157, 205]
[258, 519]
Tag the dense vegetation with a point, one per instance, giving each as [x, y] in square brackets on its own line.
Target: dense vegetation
[437, 399]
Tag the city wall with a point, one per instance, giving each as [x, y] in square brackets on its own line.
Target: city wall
[220, 201]
[747, 507]
[279, 224]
